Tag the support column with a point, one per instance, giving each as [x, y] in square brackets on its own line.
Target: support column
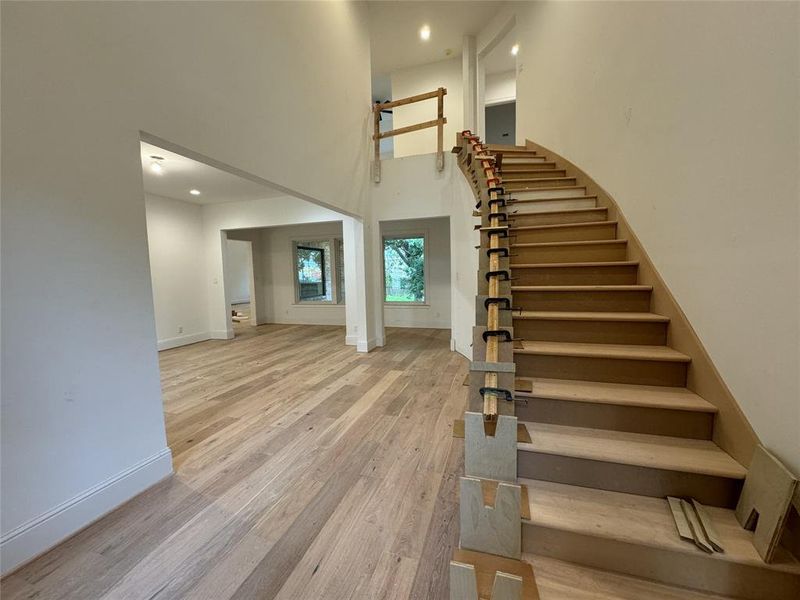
[469, 78]
[360, 321]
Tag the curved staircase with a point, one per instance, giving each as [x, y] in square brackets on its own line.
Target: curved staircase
[612, 428]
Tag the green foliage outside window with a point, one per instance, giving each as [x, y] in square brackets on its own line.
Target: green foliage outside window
[404, 269]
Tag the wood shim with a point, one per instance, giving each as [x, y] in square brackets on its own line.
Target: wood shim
[490, 528]
[708, 526]
[490, 456]
[764, 503]
[680, 519]
[464, 584]
[700, 539]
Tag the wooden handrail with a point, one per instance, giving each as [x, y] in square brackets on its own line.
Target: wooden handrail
[439, 123]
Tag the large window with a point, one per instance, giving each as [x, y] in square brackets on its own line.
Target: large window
[404, 269]
[319, 274]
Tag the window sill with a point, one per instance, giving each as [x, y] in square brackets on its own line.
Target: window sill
[406, 305]
[313, 304]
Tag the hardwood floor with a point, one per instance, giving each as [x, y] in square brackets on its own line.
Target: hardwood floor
[302, 470]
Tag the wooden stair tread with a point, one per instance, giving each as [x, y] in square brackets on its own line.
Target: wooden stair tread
[606, 263]
[550, 189]
[647, 396]
[591, 316]
[572, 243]
[561, 211]
[686, 455]
[640, 520]
[620, 351]
[561, 580]
[561, 225]
[580, 288]
[535, 179]
[581, 197]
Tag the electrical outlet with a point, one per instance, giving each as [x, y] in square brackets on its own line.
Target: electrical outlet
[180, 329]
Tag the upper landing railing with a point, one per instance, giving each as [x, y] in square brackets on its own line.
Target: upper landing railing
[438, 122]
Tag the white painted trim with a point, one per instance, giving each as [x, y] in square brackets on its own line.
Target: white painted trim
[350, 340]
[366, 346]
[221, 334]
[499, 101]
[183, 340]
[41, 533]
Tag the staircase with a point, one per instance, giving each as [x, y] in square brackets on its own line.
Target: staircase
[612, 426]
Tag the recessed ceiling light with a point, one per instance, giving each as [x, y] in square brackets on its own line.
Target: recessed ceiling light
[425, 33]
[194, 192]
[515, 49]
[156, 166]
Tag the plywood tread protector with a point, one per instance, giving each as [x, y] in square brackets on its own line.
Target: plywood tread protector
[529, 200]
[490, 426]
[617, 351]
[580, 288]
[487, 564]
[561, 225]
[648, 396]
[588, 265]
[640, 520]
[701, 457]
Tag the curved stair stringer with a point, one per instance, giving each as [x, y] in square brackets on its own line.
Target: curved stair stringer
[732, 431]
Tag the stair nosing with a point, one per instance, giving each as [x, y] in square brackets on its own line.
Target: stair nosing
[570, 243]
[632, 458]
[588, 265]
[606, 316]
[634, 287]
[563, 225]
[522, 200]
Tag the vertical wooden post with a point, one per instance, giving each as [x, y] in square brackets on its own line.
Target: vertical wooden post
[376, 165]
[440, 130]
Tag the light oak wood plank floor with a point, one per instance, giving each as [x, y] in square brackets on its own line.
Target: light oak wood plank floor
[302, 470]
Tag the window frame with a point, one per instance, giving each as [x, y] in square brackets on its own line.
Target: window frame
[334, 283]
[411, 233]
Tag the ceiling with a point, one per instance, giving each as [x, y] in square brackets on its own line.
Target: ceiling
[182, 174]
[394, 31]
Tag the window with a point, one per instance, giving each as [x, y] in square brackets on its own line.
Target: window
[404, 269]
[318, 271]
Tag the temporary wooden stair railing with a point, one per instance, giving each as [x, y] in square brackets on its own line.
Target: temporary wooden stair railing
[583, 414]
[438, 122]
[488, 563]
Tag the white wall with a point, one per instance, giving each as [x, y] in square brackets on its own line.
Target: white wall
[500, 88]
[82, 426]
[239, 271]
[687, 113]
[174, 239]
[435, 311]
[418, 80]
[411, 188]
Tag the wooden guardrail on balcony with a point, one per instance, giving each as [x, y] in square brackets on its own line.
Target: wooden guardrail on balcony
[438, 122]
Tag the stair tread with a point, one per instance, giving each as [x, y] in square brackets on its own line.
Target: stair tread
[524, 200]
[605, 263]
[551, 189]
[524, 179]
[561, 580]
[561, 211]
[561, 225]
[571, 243]
[640, 520]
[580, 288]
[555, 315]
[648, 396]
[621, 351]
[637, 449]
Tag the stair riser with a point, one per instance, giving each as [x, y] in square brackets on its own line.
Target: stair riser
[578, 233]
[510, 176]
[566, 254]
[615, 275]
[610, 370]
[594, 301]
[629, 479]
[515, 185]
[531, 208]
[558, 218]
[517, 156]
[507, 160]
[512, 169]
[592, 332]
[535, 194]
[614, 417]
[695, 570]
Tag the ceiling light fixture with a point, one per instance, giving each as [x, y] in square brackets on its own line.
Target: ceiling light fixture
[194, 192]
[515, 49]
[156, 166]
[425, 33]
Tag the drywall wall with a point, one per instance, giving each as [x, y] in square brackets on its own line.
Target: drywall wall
[82, 426]
[175, 242]
[239, 270]
[433, 194]
[500, 88]
[687, 114]
[435, 311]
[418, 80]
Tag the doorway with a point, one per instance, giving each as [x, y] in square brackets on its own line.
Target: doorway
[240, 281]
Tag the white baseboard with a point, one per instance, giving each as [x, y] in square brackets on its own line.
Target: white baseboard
[183, 340]
[350, 340]
[221, 334]
[38, 535]
[366, 345]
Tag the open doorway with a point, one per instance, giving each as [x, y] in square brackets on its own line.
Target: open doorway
[240, 280]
